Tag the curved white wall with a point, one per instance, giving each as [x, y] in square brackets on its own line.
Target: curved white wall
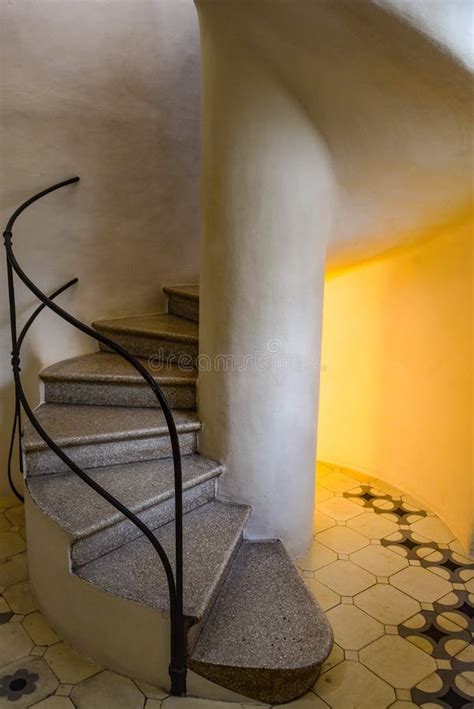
[108, 90]
[449, 24]
[268, 189]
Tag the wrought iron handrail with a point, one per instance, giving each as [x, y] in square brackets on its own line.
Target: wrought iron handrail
[177, 667]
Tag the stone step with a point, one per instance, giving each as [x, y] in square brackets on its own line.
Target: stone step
[157, 337]
[106, 379]
[146, 488]
[183, 301]
[95, 436]
[212, 534]
[266, 636]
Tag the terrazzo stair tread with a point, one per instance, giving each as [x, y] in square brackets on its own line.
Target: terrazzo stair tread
[183, 301]
[146, 488]
[212, 534]
[191, 292]
[95, 436]
[162, 336]
[266, 636]
[105, 378]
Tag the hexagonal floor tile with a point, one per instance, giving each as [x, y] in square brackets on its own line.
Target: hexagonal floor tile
[327, 599]
[345, 578]
[39, 630]
[379, 560]
[434, 529]
[321, 521]
[317, 556]
[351, 679]
[20, 599]
[335, 657]
[16, 516]
[342, 540]
[421, 584]
[107, 689]
[433, 683]
[68, 665]
[397, 661]
[372, 525]
[14, 643]
[321, 494]
[352, 628]
[150, 690]
[54, 702]
[5, 524]
[387, 604]
[13, 569]
[11, 543]
[7, 501]
[339, 508]
[338, 482]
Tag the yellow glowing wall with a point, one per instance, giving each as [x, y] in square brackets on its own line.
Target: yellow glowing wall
[397, 373]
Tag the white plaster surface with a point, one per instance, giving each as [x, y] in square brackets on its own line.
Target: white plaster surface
[393, 106]
[447, 22]
[267, 207]
[323, 123]
[108, 90]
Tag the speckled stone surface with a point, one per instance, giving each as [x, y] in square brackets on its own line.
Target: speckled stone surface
[212, 534]
[106, 379]
[106, 540]
[146, 488]
[190, 292]
[183, 301]
[266, 636]
[104, 394]
[101, 435]
[132, 450]
[162, 336]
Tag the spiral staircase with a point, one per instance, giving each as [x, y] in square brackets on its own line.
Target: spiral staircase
[253, 627]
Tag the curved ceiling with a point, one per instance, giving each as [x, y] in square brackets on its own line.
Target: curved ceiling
[393, 105]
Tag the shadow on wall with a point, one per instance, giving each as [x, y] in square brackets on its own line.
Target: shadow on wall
[108, 91]
[396, 398]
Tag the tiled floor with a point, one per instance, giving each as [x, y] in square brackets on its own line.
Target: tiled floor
[396, 586]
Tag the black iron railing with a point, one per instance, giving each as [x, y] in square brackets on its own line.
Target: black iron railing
[177, 668]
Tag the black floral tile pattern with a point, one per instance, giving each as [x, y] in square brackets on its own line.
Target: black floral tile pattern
[415, 548]
[17, 685]
[452, 695]
[383, 503]
[448, 629]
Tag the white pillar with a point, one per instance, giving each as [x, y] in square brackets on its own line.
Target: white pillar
[267, 201]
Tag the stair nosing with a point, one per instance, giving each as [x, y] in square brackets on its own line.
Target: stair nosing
[213, 472]
[199, 654]
[134, 379]
[198, 611]
[109, 437]
[176, 291]
[105, 326]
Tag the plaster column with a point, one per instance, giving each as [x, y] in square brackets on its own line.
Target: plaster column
[267, 201]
